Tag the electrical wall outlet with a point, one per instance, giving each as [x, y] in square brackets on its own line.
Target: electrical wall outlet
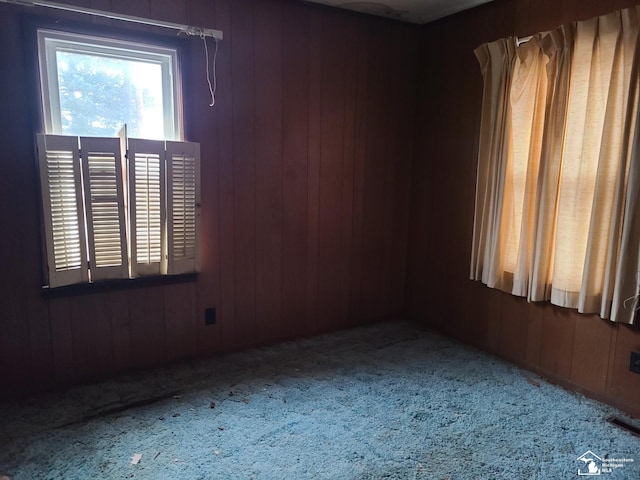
[210, 316]
[634, 365]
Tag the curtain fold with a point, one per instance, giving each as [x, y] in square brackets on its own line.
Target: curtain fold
[495, 60]
[557, 45]
[555, 215]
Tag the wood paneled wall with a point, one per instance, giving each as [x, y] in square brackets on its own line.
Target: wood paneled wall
[306, 164]
[582, 352]
[308, 181]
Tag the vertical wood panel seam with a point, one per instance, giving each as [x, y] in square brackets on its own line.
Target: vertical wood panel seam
[415, 73]
[281, 320]
[217, 207]
[233, 179]
[572, 349]
[318, 155]
[356, 93]
[365, 148]
[391, 196]
[112, 334]
[308, 169]
[254, 319]
[343, 229]
[51, 342]
[51, 352]
[612, 357]
[74, 360]
[320, 158]
[227, 324]
[22, 231]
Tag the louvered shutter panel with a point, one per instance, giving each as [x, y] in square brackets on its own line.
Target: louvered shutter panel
[146, 160]
[183, 206]
[62, 209]
[104, 203]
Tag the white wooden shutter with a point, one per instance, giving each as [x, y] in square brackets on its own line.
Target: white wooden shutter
[147, 197]
[62, 209]
[104, 203]
[183, 206]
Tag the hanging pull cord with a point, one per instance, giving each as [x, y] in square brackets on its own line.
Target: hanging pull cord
[633, 298]
[213, 86]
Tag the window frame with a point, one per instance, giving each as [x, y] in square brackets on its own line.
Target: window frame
[181, 71]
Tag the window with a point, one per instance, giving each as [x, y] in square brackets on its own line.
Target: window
[114, 206]
[92, 86]
[556, 213]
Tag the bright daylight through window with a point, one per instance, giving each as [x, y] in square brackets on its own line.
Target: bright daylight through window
[557, 214]
[92, 86]
[120, 191]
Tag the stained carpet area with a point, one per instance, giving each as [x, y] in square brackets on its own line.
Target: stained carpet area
[386, 401]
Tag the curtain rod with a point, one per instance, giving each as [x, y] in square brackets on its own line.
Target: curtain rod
[188, 29]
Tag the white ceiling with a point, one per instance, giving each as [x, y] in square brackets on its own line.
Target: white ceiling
[415, 11]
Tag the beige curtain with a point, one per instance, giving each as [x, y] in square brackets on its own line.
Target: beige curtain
[557, 214]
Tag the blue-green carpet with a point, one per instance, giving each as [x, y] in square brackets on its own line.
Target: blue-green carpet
[391, 400]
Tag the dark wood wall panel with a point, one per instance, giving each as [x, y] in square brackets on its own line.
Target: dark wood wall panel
[120, 329]
[335, 77]
[169, 10]
[621, 383]
[359, 164]
[269, 180]
[306, 164]
[373, 274]
[295, 138]
[404, 143]
[91, 333]
[313, 168]
[582, 352]
[352, 42]
[591, 347]
[148, 327]
[140, 8]
[226, 183]
[180, 303]
[202, 125]
[243, 91]
[15, 339]
[61, 341]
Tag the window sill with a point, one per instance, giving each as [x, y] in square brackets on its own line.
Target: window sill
[105, 286]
